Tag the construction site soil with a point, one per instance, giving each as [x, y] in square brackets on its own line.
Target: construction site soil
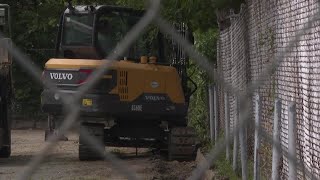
[63, 163]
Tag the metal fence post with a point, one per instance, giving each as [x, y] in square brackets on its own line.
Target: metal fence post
[227, 119]
[276, 138]
[235, 139]
[256, 170]
[211, 112]
[216, 125]
[243, 149]
[292, 141]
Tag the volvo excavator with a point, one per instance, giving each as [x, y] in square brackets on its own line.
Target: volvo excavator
[5, 82]
[142, 100]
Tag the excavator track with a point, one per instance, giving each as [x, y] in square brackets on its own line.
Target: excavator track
[86, 151]
[182, 144]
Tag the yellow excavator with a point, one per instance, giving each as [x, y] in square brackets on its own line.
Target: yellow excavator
[6, 90]
[142, 101]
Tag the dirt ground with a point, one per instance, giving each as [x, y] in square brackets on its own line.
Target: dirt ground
[63, 161]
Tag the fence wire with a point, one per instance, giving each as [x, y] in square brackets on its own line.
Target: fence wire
[264, 38]
[284, 34]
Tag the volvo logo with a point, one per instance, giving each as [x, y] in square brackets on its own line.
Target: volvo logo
[61, 76]
[154, 84]
[155, 98]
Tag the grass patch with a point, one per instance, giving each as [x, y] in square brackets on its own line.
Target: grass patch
[223, 169]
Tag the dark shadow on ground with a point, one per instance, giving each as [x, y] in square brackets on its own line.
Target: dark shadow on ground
[18, 160]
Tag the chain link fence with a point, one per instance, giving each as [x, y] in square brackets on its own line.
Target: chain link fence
[26, 97]
[264, 34]
[256, 36]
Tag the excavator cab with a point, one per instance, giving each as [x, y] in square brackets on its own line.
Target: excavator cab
[5, 82]
[92, 32]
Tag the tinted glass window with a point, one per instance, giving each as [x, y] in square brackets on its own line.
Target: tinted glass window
[113, 27]
[78, 30]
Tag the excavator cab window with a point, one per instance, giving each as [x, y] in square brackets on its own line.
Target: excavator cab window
[113, 26]
[94, 34]
[109, 32]
[78, 30]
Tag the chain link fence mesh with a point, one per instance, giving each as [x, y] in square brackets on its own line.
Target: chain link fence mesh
[248, 43]
[26, 98]
[262, 29]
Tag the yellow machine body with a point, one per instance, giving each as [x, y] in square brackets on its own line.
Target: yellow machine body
[134, 79]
